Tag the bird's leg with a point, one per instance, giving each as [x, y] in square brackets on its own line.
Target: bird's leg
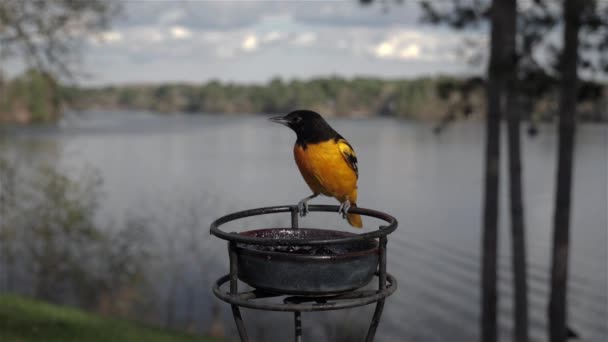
[344, 207]
[303, 204]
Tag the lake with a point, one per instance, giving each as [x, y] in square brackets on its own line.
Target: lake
[181, 171]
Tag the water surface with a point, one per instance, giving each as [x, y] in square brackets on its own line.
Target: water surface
[166, 167]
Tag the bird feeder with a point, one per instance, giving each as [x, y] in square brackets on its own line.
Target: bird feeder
[305, 269]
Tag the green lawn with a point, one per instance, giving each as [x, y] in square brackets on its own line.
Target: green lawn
[23, 319]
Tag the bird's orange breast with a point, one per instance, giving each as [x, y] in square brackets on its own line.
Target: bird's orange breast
[326, 171]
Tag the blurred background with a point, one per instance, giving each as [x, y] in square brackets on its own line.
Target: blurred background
[127, 127]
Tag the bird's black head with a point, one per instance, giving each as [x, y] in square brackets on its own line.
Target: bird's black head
[310, 127]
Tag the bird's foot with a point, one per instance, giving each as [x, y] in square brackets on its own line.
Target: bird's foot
[303, 208]
[344, 207]
[303, 205]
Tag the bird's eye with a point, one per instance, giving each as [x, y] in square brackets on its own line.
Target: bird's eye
[298, 119]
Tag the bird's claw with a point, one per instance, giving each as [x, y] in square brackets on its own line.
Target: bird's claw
[303, 208]
[303, 205]
[343, 209]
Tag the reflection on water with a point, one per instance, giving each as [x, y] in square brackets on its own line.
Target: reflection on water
[182, 171]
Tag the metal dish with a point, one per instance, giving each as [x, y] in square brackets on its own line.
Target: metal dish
[306, 269]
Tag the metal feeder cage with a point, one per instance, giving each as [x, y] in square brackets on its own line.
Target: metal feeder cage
[310, 269]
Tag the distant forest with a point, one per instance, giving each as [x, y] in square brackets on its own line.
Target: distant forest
[331, 96]
[33, 97]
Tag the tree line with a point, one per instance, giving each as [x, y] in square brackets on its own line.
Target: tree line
[332, 96]
[36, 97]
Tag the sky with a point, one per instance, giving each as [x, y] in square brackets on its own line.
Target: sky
[252, 42]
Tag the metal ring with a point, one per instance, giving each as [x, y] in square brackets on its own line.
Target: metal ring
[382, 231]
[338, 303]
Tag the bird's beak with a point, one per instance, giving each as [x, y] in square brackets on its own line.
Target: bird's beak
[280, 119]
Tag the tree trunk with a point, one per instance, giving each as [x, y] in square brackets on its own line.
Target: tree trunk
[496, 85]
[561, 219]
[520, 282]
[520, 297]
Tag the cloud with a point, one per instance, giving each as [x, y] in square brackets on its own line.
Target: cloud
[250, 43]
[145, 34]
[385, 49]
[209, 36]
[171, 16]
[265, 39]
[194, 14]
[242, 14]
[224, 52]
[410, 51]
[273, 36]
[180, 32]
[424, 45]
[110, 36]
[350, 14]
[305, 39]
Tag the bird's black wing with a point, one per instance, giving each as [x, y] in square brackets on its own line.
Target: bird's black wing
[349, 154]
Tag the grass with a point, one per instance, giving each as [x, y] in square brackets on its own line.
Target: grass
[23, 319]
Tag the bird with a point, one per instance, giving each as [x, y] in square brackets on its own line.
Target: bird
[326, 160]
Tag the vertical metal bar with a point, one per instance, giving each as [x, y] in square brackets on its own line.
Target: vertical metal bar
[233, 268]
[238, 319]
[240, 325]
[294, 217]
[382, 263]
[297, 315]
[371, 332]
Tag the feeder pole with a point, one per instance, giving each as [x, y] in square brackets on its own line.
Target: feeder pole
[238, 319]
[294, 217]
[297, 315]
[371, 333]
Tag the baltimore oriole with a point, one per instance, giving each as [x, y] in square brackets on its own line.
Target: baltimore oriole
[326, 160]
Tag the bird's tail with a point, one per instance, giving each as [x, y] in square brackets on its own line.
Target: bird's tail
[354, 219]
